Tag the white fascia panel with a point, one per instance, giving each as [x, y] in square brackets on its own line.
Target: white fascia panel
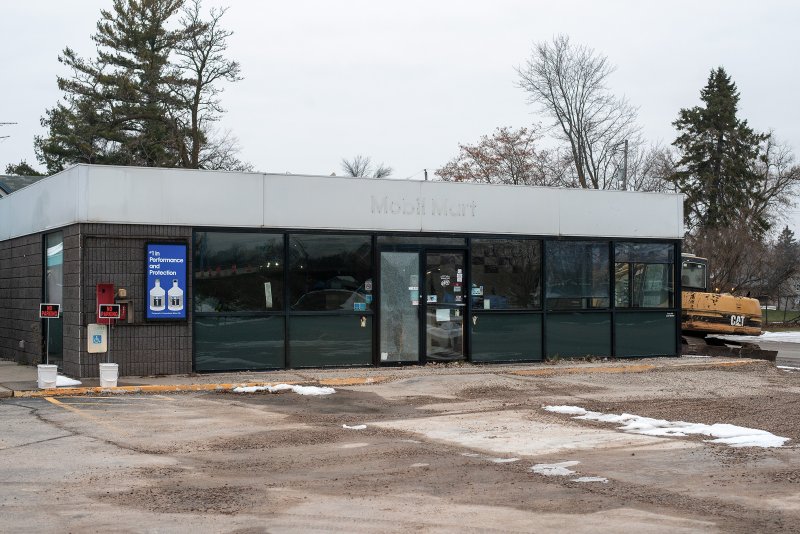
[619, 214]
[412, 206]
[129, 195]
[341, 203]
[173, 197]
[491, 209]
[47, 204]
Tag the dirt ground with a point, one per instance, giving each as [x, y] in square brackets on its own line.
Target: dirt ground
[441, 452]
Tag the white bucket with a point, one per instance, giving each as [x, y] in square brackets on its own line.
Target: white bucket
[109, 372]
[46, 376]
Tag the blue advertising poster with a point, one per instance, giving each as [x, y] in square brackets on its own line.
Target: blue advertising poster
[166, 281]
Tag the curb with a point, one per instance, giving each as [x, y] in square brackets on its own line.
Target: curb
[361, 381]
[123, 390]
[635, 368]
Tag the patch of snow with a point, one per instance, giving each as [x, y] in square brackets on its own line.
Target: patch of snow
[355, 427]
[312, 390]
[354, 445]
[64, 381]
[568, 410]
[732, 435]
[555, 470]
[494, 460]
[419, 465]
[590, 479]
[300, 390]
[787, 368]
[786, 337]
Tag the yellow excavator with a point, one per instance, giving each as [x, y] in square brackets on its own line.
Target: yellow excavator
[705, 313]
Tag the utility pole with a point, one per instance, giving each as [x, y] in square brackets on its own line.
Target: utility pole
[625, 167]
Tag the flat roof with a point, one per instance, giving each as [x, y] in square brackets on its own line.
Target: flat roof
[188, 197]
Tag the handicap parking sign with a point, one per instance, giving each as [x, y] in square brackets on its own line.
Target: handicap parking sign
[97, 338]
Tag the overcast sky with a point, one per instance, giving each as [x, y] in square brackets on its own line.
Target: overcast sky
[406, 82]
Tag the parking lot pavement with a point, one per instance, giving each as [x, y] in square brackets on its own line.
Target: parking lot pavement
[430, 452]
[20, 381]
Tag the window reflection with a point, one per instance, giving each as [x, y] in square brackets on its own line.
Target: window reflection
[643, 275]
[577, 275]
[238, 272]
[330, 272]
[506, 274]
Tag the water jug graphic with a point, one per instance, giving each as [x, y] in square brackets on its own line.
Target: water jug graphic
[157, 297]
[175, 296]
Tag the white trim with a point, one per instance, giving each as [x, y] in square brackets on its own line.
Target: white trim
[185, 197]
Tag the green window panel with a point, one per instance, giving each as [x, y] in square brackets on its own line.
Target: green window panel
[578, 334]
[338, 340]
[230, 343]
[646, 334]
[506, 337]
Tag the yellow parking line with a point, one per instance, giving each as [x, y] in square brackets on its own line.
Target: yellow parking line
[85, 415]
[150, 397]
[96, 403]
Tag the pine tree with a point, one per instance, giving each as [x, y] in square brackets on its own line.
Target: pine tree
[129, 105]
[717, 150]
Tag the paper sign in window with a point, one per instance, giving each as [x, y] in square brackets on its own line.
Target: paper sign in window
[268, 293]
[443, 315]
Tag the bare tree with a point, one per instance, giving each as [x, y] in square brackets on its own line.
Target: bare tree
[204, 65]
[737, 260]
[221, 152]
[506, 157]
[648, 169]
[779, 178]
[569, 83]
[362, 167]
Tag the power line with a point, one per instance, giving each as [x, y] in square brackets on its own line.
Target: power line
[415, 174]
[6, 124]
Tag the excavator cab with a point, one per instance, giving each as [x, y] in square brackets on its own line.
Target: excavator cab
[694, 273]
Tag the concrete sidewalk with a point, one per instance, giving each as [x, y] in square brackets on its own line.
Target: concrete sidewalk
[20, 380]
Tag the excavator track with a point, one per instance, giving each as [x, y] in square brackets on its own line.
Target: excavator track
[713, 346]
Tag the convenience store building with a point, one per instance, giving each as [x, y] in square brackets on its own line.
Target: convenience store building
[232, 271]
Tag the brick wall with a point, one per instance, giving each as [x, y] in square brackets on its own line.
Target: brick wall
[116, 254]
[20, 295]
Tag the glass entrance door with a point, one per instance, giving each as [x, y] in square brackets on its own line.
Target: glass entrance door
[399, 307]
[445, 303]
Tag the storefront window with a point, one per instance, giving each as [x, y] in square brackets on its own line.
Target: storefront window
[577, 275]
[330, 272]
[506, 274]
[54, 294]
[54, 250]
[236, 272]
[643, 275]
